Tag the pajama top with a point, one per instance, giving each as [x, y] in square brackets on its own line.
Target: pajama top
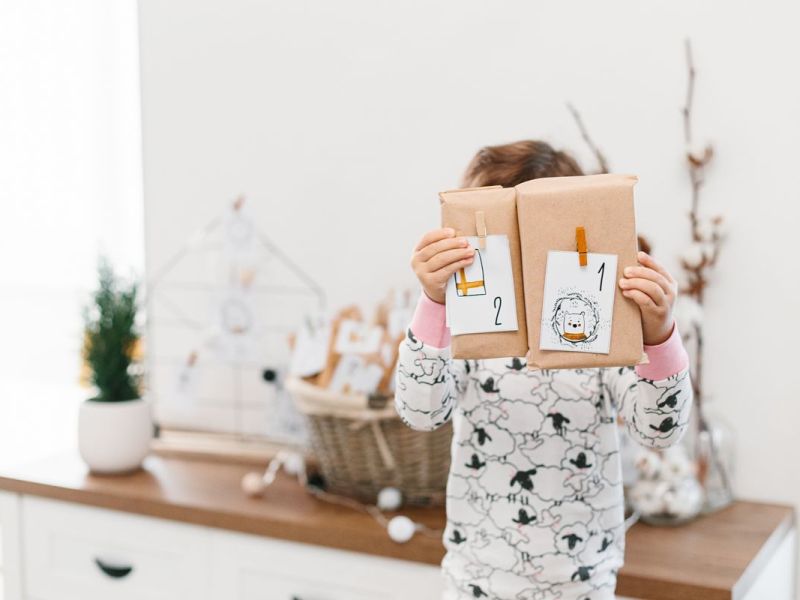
[534, 501]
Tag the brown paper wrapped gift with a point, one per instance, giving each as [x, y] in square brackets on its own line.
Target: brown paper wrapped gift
[549, 211]
[498, 205]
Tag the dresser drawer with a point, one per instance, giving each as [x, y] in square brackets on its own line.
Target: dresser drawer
[247, 567]
[76, 552]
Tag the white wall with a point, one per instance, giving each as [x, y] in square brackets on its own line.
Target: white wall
[342, 120]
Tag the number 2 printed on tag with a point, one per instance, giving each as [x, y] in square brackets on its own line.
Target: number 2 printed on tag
[480, 298]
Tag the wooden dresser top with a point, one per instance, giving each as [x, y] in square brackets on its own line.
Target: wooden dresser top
[713, 558]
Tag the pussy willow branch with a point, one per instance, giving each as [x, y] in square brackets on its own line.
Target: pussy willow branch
[601, 159]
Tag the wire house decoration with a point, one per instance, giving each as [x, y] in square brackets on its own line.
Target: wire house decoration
[219, 315]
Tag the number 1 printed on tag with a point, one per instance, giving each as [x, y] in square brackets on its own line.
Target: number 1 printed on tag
[578, 303]
[480, 298]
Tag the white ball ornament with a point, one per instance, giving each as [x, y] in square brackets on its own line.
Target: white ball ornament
[389, 498]
[293, 464]
[401, 529]
[253, 484]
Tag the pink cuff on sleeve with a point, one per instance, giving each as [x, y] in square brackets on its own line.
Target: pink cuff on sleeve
[428, 323]
[666, 359]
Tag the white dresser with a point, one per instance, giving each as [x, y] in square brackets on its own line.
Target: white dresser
[55, 550]
[183, 530]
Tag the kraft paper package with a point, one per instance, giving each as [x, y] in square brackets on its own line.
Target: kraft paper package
[538, 217]
[549, 211]
[498, 205]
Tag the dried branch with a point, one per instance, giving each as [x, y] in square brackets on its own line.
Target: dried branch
[696, 271]
[601, 159]
[707, 243]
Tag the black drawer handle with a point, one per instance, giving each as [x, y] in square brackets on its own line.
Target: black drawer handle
[113, 571]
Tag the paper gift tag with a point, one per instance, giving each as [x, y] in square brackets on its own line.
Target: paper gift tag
[310, 349]
[480, 298]
[578, 303]
[354, 375]
[357, 337]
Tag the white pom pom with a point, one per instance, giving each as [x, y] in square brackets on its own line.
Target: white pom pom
[253, 484]
[401, 529]
[389, 498]
[293, 464]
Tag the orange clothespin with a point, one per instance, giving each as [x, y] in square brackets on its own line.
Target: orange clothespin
[580, 240]
[480, 227]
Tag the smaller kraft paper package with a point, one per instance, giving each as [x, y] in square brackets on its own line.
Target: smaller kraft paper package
[485, 301]
[578, 234]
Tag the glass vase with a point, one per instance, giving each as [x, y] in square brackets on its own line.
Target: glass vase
[714, 455]
[667, 491]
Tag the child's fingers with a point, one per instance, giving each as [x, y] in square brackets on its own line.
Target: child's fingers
[642, 299]
[649, 261]
[446, 272]
[434, 236]
[431, 250]
[442, 259]
[652, 275]
[645, 286]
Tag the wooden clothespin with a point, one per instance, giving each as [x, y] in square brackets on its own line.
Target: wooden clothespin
[480, 227]
[580, 240]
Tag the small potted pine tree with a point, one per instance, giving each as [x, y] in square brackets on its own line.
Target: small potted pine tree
[115, 425]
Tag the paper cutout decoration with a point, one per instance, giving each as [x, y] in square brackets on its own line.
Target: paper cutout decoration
[578, 303]
[481, 298]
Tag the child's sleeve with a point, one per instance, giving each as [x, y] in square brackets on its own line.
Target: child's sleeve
[428, 381]
[655, 399]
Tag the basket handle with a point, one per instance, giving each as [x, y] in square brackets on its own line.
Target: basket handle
[383, 445]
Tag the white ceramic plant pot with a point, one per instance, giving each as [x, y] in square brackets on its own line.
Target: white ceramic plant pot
[114, 437]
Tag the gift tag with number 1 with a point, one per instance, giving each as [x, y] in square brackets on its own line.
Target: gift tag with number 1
[578, 303]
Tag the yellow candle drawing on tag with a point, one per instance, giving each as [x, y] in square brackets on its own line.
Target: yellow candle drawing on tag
[470, 280]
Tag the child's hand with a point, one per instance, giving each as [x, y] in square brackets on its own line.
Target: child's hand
[652, 287]
[438, 255]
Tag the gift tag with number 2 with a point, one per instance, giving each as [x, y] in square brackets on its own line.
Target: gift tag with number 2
[480, 297]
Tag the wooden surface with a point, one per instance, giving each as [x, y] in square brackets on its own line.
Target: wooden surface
[209, 493]
[713, 558]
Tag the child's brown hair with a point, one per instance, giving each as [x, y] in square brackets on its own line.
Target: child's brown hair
[511, 164]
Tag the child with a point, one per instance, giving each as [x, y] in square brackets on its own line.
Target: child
[534, 496]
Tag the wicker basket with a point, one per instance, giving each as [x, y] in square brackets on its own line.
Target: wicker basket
[361, 450]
